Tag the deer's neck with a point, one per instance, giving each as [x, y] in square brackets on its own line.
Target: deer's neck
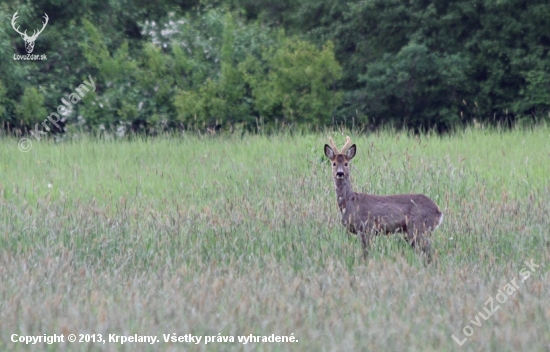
[344, 192]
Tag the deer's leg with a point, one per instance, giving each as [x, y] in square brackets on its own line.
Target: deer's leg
[411, 235]
[418, 239]
[426, 244]
[365, 241]
[367, 238]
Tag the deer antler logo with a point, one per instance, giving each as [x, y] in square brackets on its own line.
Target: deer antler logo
[29, 40]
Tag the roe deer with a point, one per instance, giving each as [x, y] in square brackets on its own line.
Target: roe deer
[365, 214]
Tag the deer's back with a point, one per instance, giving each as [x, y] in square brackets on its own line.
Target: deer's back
[391, 212]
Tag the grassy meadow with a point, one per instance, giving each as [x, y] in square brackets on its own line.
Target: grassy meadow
[240, 235]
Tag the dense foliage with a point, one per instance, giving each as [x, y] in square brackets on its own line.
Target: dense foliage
[252, 64]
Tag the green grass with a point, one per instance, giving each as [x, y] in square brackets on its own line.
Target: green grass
[241, 235]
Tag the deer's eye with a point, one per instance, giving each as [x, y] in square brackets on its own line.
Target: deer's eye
[333, 164]
[346, 164]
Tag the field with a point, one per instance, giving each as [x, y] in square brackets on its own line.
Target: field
[239, 235]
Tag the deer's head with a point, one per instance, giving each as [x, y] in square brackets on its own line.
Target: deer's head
[29, 40]
[340, 159]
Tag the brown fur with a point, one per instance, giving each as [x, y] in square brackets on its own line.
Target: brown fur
[366, 214]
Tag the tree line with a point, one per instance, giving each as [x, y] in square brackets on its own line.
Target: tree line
[248, 64]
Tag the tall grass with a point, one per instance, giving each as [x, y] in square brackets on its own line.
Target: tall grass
[241, 235]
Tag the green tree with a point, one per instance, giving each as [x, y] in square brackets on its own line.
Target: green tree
[534, 97]
[3, 101]
[414, 87]
[221, 99]
[64, 68]
[502, 47]
[30, 109]
[295, 82]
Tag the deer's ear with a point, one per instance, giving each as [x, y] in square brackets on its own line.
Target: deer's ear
[350, 153]
[329, 152]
